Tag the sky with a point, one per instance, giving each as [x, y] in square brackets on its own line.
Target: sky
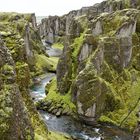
[44, 7]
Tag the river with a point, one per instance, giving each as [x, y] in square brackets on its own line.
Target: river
[68, 125]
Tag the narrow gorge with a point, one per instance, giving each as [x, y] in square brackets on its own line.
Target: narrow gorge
[71, 77]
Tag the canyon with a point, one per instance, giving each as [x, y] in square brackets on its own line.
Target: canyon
[94, 56]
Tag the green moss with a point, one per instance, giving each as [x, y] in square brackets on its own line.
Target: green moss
[93, 88]
[111, 25]
[106, 120]
[43, 63]
[57, 136]
[40, 129]
[5, 110]
[87, 93]
[20, 26]
[5, 34]
[7, 68]
[27, 17]
[136, 62]
[115, 89]
[128, 96]
[112, 22]
[127, 3]
[23, 74]
[83, 21]
[40, 137]
[12, 27]
[76, 46]
[135, 39]
[58, 46]
[15, 43]
[3, 17]
[108, 73]
[57, 98]
[54, 61]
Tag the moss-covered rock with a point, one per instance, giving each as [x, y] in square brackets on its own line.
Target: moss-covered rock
[44, 63]
[20, 119]
[100, 65]
[15, 121]
[58, 46]
[55, 103]
[64, 71]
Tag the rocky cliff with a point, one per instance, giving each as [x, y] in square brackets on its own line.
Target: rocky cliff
[99, 67]
[54, 28]
[18, 45]
[14, 119]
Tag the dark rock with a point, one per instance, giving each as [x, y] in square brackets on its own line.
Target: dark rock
[58, 114]
[136, 133]
[65, 111]
[48, 104]
[54, 111]
[64, 71]
[51, 108]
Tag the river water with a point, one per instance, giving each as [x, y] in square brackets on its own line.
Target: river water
[68, 125]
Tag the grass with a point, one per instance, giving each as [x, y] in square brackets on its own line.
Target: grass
[57, 136]
[52, 136]
[44, 63]
[57, 98]
[77, 45]
[54, 60]
[58, 46]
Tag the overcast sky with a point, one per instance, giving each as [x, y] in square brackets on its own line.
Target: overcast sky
[44, 7]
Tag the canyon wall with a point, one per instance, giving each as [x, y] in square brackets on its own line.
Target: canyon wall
[19, 41]
[100, 64]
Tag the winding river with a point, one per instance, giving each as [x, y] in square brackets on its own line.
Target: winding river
[68, 125]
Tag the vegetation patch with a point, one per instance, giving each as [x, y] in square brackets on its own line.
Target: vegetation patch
[44, 63]
[58, 46]
[55, 102]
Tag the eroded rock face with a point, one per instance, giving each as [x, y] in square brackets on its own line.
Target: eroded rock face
[97, 30]
[15, 122]
[19, 117]
[91, 87]
[28, 46]
[100, 59]
[114, 52]
[54, 27]
[64, 70]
